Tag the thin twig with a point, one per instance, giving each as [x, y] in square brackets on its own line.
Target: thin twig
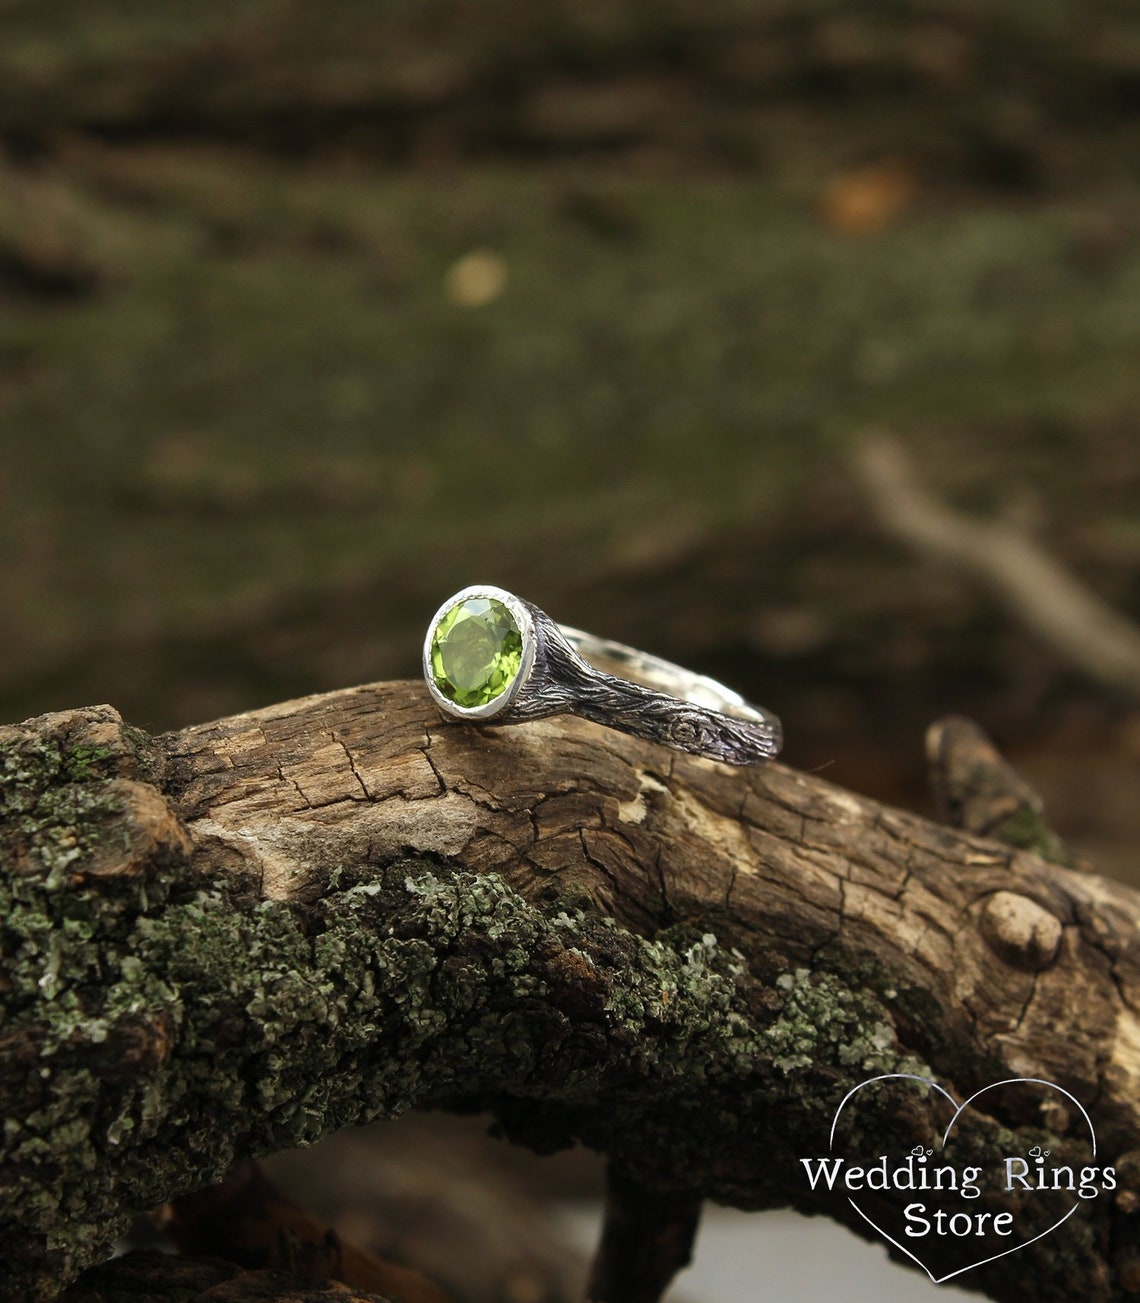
[1033, 585]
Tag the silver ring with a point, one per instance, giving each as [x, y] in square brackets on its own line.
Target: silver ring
[488, 655]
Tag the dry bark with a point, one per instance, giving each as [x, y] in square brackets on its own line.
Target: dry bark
[245, 935]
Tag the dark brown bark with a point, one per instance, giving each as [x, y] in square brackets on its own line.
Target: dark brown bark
[646, 1239]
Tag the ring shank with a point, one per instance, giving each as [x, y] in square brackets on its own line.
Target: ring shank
[663, 676]
[562, 670]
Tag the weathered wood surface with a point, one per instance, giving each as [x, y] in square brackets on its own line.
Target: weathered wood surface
[244, 935]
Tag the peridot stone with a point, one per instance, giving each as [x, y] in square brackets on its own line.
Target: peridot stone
[476, 651]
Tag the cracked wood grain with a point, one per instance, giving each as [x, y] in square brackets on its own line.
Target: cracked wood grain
[772, 857]
[418, 912]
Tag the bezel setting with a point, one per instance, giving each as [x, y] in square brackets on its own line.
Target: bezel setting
[525, 624]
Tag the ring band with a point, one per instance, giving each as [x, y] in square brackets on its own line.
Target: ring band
[489, 655]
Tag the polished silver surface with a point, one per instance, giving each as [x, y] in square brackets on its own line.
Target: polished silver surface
[566, 671]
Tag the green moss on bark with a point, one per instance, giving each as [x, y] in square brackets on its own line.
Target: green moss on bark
[157, 1023]
[1028, 830]
[155, 1026]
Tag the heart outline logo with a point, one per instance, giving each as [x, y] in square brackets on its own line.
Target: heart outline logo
[958, 1110]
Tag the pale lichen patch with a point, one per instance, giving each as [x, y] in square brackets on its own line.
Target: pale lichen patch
[635, 810]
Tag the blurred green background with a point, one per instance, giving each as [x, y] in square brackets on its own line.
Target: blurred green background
[312, 314]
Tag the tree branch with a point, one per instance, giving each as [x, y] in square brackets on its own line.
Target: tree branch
[647, 1237]
[1033, 585]
[243, 936]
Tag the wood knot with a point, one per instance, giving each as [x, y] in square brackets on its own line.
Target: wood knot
[1020, 931]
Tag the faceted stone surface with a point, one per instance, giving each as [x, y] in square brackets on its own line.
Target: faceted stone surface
[476, 651]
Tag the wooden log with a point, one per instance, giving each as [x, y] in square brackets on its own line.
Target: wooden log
[245, 935]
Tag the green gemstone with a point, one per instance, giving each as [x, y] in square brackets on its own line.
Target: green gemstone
[476, 651]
